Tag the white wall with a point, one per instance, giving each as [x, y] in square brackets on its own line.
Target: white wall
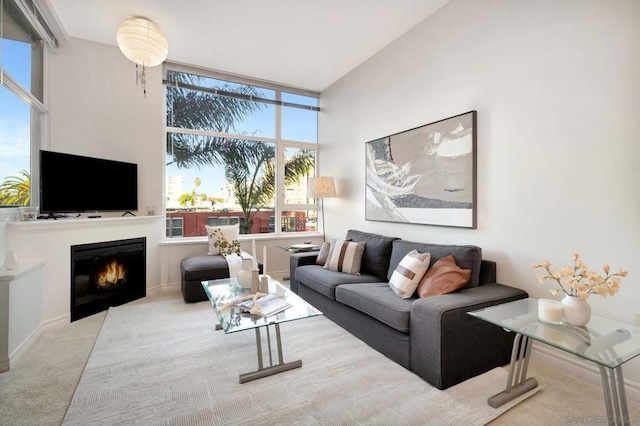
[556, 88]
[97, 110]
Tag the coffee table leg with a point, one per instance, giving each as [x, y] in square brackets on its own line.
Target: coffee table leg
[272, 369]
[517, 383]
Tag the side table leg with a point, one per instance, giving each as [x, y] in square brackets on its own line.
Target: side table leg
[517, 383]
[615, 397]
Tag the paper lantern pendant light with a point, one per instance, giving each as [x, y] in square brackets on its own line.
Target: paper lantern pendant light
[141, 41]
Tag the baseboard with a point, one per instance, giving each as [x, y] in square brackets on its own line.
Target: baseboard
[26, 344]
[4, 365]
[58, 322]
[582, 369]
[157, 289]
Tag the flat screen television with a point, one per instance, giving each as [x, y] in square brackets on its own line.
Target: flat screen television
[76, 184]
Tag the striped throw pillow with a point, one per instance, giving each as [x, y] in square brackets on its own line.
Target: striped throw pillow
[408, 273]
[345, 256]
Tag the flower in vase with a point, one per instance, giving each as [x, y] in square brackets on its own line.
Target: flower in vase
[578, 281]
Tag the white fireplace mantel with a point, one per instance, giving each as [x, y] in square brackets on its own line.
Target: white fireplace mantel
[52, 240]
[82, 222]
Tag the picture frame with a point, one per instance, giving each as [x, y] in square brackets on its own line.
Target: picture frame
[425, 175]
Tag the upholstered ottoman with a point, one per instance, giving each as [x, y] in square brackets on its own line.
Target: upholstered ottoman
[195, 269]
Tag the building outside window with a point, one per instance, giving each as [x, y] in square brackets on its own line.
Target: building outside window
[238, 151]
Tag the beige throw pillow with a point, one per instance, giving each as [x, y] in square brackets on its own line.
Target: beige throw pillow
[345, 256]
[225, 236]
[408, 273]
[443, 277]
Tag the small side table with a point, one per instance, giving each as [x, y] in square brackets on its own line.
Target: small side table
[605, 342]
[299, 248]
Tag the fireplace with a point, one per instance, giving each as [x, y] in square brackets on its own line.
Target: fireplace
[107, 274]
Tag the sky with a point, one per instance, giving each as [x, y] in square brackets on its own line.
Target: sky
[14, 114]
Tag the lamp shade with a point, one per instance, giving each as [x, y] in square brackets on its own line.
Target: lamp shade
[321, 187]
[141, 41]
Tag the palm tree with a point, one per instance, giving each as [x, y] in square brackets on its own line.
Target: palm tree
[249, 165]
[16, 190]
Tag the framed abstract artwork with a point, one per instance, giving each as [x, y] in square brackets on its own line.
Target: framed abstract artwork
[426, 175]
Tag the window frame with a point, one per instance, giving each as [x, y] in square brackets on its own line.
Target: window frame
[39, 114]
[280, 144]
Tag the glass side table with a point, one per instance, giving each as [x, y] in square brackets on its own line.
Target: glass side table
[300, 248]
[297, 248]
[606, 342]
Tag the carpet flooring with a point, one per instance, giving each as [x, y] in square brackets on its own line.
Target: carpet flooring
[163, 363]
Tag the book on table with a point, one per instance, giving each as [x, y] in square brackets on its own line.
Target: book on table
[265, 306]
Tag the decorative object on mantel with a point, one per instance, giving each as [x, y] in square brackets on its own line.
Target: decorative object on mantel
[426, 175]
[29, 212]
[577, 282]
[141, 41]
[11, 260]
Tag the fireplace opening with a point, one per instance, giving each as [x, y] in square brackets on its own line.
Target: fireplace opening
[106, 274]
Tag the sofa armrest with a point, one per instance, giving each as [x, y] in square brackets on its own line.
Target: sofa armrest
[448, 345]
[488, 272]
[299, 259]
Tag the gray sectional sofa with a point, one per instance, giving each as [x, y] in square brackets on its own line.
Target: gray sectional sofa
[434, 337]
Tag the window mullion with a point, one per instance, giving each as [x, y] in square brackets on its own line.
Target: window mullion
[280, 163]
[17, 89]
[219, 134]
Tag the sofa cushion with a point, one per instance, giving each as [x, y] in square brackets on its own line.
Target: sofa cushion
[443, 277]
[375, 259]
[345, 256]
[467, 256]
[378, 301]
[202, 268]
[323, 253]
[408, 273]
[325, 281]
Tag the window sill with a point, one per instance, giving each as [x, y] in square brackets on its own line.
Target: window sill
[244, 237]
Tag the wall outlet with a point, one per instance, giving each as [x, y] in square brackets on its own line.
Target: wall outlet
[636, 318]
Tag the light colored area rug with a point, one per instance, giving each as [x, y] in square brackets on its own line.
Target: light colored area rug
[163, 363]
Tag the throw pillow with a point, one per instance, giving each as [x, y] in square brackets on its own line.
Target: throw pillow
[345, 256]
[408, 273]
[443, 277]
[223, 239]
[322, 254]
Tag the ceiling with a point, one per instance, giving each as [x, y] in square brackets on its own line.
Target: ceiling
[308, 44]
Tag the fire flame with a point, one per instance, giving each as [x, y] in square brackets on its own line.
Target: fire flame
[112, 275]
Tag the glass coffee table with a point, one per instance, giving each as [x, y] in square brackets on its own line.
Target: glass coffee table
[233, 319]
[606, 342]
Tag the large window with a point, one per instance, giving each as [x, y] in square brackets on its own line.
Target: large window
[238, 152]
[21, 108]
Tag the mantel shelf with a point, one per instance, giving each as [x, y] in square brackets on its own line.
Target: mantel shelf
[82, 222]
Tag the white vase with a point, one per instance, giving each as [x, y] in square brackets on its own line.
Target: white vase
[244, 276]
[575, 311]
[11, 260]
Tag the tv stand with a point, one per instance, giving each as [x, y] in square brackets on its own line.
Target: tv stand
[126, 213]
[52, 216]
